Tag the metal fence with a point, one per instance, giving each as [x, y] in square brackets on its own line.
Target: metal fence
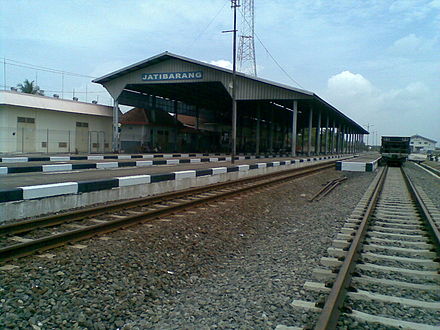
[29, 140]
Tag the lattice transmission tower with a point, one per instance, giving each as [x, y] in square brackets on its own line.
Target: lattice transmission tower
[246, 46]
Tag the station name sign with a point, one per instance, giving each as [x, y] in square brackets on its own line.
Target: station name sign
[172, 76]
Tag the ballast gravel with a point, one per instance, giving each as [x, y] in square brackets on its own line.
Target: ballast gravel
[429, 183]
[232, 264]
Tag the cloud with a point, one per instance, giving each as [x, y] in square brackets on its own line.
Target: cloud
[412, 44]
[400, 111]
[222, 63]
[347, 82]
[411, 10]
[434, 4]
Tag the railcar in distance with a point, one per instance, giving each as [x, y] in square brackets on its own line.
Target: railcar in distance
[395, 150]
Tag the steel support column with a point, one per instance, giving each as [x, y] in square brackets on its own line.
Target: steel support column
[309, 137]
[333, 138]
[115, 140]
[351, 141]
[294, 128]
[338, 139]
[327, 122]
[343, 142]
[271, 132]
[341, 139]
[303, 131]
[318, 135]
[257, 135]
[176, 129]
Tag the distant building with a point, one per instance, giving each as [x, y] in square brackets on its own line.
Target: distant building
[145, 130]
[33, 123]
[420, 144]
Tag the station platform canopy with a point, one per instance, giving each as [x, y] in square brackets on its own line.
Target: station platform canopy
[199, 88]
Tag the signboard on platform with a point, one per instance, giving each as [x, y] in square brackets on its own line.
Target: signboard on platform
[160, 76]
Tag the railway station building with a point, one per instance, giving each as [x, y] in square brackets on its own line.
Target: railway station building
[32, 123]
[198, 100]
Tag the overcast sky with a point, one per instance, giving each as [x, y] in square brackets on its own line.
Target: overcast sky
[378, 61]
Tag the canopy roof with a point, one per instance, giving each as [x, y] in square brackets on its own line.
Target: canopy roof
[207, 86]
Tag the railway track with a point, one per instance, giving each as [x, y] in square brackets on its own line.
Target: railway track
[27, 237]
[434, 171]
[382, 271]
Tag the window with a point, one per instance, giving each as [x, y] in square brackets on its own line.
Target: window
[62, 144]
[26, 120]
[426, 142]
[79, 124]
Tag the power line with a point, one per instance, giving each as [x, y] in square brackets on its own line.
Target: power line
[269, 53]
[208, 25]
[42, 68]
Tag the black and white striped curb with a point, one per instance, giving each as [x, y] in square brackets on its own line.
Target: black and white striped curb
[368, 166]
[65, 188]
[120, 157]
[106, 165]
[99, 157]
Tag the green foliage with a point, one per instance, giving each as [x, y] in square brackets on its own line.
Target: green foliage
[30, 87]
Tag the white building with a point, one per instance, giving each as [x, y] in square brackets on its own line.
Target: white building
[420, 144]
[34, 123]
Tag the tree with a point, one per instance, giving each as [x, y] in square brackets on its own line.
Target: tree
[30, 88]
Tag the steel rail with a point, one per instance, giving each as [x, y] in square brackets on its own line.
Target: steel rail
[321, 191]
[44, 243]
[52, 220]
[336, 183]
[430, 169]
[324, 191]
[424, 212]
[334, 302]
[330, 312]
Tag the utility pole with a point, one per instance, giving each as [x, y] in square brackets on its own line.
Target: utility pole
[234, 4]
[368, 129]
[246, 47]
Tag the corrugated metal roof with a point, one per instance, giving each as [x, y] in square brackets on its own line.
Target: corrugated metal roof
[253, 86]
[167, 55]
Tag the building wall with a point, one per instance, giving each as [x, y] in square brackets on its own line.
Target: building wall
[419, 144]
[52, 131]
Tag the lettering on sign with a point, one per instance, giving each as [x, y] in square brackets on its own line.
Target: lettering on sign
[172, 76]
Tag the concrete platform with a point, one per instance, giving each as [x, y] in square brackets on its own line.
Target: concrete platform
[92, 163]
[57, 192]
[367, 162]
[24, 158]
[39, 178]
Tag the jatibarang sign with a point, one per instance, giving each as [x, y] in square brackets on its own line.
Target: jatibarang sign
[172, 76]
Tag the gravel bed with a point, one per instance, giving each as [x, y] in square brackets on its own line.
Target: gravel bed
[416, 254]
[398, 264]
[396, 311]
[236, 264]
[347, 323]
[422, 295]
[429, 184]
[397, 276]
[395, 243]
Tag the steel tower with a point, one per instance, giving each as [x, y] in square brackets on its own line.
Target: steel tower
[246, 47]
